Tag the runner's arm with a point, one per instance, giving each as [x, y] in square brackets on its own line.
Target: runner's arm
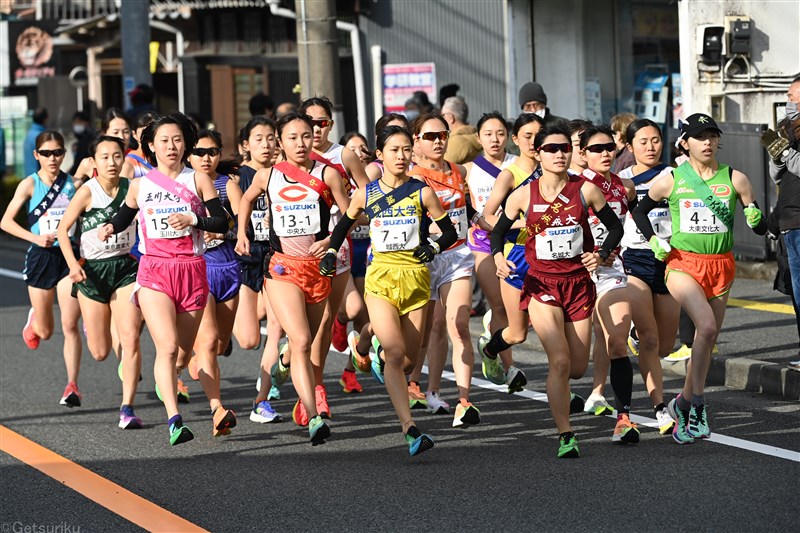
[609, 219]
[9, 224]
[77, 206]
[755, 218]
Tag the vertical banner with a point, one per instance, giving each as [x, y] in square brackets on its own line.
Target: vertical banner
[400, 81]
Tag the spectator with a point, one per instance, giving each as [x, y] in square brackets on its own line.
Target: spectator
[447, 91]
[532, 99]
[463, 145]
[624, 159]
[141, 100]
[261, 104]
[284, 109]
[84, 134]
[31, 164]
[417, 105]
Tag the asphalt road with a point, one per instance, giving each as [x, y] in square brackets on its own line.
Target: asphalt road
[500, 475]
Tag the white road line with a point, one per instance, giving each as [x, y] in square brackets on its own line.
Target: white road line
[11, 274]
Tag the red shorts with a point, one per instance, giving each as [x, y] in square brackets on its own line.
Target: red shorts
[301, 271]
[182, 279]
[575, 294]
[714, 272]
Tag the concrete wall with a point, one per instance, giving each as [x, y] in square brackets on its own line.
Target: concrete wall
[775, 60]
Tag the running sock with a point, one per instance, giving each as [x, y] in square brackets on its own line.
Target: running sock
[127, 410]
[682, 404]
[657, 409]
[175, 422]
[567, 435]
[622, 383]
[413, 432]
[698, 399]
[496, 345]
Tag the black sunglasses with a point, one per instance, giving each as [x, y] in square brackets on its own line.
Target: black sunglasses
[552, 148]
[600, 148]
[202, 152]
[58, 152]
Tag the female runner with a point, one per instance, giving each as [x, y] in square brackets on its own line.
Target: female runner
[116, 123]
[136, 164]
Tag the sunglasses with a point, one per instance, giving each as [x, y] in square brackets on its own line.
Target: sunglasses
[553, 148]
[58, 152]
[600, 148]
[433, 135]
[202, 152]
[322, 123]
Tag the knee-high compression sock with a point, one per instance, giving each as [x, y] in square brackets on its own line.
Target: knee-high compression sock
[496, 344]
[622, 383]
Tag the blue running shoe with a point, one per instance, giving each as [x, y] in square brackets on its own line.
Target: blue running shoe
[417, 445]
[680, 433]
[698, 422]
[263, 413]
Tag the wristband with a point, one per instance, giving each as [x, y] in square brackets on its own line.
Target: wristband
[193, 217]
[476, 217]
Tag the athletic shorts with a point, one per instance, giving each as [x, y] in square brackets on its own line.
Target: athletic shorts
[344, 258]
[224, 280]
[251, 267]
[714, 272]
[516, 254]
[105, 276]
[360, 251]
[643, 264]
[184, 280]
[407, 287]
[478, 241]
[575, 294]
[608, 278]
[449, 266]
[45, 267]
[300, 271]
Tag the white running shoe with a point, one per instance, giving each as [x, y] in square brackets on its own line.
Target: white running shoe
[436, 405]
[665, 421]
[597, 405]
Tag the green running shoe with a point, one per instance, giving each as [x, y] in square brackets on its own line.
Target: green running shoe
[680, 433]
[119, 370]
[417, 445]
[378, 364]
[178, 434]
[568, 448]
[698, 422]
[318, 430]
[280, 373]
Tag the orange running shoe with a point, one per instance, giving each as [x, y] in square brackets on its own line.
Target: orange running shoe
[183, 392]
[416, 398]
[321, 396]
[223, 421]
[30, 338]
[338, 335]
[349, 382]
[363, 363]
[299, 414]
[71, 397]
[625, 432]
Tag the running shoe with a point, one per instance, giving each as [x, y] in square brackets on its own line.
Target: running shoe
[258, 384]
[194, 368]
[625, 432]
[178, 433]
[321, 397]
[680, 433]
[516, 379]
[361, 362]
[299, 414]
[417, 445]
[338, 335]
[597, 405]
[183, 392]
[280, 373]
[349, 382]
[492, 368]
[698, 422]
[71, 397]
[228, 349]
[466, 414]
[223, 421]
[568, 448]
[436, 405]
[263, 413]
[665, 422]
[486, 322]
[633, 341]
[128, 419]
[681, 354]
[416, 399]
[377, 364]
[273, 394]
[576, 403]
[30, 338]
[793, 365]
[318, 430]
[119, 371]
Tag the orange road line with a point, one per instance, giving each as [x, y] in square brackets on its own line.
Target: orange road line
[100, 490]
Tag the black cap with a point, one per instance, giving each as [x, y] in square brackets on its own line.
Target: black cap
[531, 92]
[696, 124]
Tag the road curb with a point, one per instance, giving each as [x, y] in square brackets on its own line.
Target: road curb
[765, 271]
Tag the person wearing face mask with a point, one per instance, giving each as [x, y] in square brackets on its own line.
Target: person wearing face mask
[532, 99]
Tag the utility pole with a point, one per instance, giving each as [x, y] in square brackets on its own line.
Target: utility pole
[318, 47]
[135, 16]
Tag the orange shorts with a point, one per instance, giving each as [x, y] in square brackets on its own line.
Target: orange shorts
[301, 271]
[714, 272]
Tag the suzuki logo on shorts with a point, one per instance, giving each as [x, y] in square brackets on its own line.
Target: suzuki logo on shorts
[293, 193]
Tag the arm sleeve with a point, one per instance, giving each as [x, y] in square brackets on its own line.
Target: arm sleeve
[615, 232]
[497, 239]
[470, 211]
[217, 222]
[339, 233]
[641, 219]
[449, 235]
[776, 170]
[123, 218]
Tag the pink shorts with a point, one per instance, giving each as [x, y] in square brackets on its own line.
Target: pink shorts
[182, 279]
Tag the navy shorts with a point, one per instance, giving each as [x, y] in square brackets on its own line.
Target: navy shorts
[251, 267]
[45, 267]
[360, 248]
[643, 264]
[223, 280]
[517, 256]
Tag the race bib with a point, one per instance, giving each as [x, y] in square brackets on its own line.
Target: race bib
[559, 243]
[391, 234]
[697, 218]
[360, 232]
[258, 219]
[296, 219]
[48, 223]
[157, 221]
[459, 217]
[120, 241]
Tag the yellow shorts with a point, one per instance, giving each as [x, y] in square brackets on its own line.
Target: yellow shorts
[407, 287]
